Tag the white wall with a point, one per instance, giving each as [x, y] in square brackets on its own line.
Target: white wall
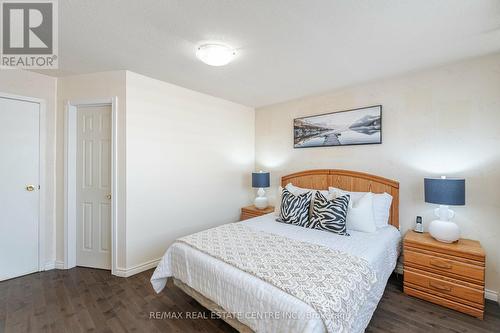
[443, 121]
[86, 88]
[189, 159]
[30, 84]
[177, 138]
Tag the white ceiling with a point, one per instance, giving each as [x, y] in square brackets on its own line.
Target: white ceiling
[287, 48]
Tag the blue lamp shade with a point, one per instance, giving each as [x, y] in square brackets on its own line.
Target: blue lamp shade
[445, 191]
[260, 179]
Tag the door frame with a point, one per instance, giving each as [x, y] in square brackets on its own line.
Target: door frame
[42, 137]
[70, 212]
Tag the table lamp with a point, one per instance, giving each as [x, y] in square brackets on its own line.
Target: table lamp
[260, 180]
[444, 192]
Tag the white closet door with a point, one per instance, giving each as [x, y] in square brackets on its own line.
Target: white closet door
[19, 194]
[93, 184]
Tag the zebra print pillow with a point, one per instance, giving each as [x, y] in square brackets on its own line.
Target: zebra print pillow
[295, 208]
[330, 215]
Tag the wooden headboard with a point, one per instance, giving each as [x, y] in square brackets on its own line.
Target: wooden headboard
[349, 181]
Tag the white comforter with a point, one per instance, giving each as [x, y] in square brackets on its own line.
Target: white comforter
[260, 305]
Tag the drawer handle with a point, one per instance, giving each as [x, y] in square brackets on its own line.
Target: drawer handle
[439, 286]
[440, 264]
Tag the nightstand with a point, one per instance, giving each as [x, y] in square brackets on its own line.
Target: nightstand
[252, 211]
[451, 275]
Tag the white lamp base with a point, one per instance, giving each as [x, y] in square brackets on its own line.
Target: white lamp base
[261, 201]
[444, 231]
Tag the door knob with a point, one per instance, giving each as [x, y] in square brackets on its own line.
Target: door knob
[30, 188]
[108, 196]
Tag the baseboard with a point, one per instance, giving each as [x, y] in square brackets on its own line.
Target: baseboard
[121, 272]
[399, 268]
[126, 272]
[49, 265]
[491, 295]
[53, 264]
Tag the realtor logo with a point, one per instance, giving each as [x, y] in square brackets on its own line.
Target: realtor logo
[29, 34]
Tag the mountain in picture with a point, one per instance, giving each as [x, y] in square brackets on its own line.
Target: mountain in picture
[352, 127]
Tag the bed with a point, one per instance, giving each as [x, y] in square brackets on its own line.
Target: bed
[249, 303]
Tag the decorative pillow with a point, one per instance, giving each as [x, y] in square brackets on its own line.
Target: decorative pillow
[295, 190]
[360, 215]
[295, 208]
[330, 215]
[381, 204]
[300, 190]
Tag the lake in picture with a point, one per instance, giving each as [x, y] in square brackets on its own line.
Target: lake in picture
[352, 127]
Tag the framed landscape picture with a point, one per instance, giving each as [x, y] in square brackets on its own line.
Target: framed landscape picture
[361, 126]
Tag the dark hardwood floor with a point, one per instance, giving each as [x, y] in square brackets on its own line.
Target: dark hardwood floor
[84, 299]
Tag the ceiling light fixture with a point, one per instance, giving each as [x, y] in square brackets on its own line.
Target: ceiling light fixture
[215, 54]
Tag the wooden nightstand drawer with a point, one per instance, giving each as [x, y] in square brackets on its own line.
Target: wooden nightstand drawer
[246, 216]
[448, 274]
[455, 290]
[443, 264]
[251, 212]
[458, 306]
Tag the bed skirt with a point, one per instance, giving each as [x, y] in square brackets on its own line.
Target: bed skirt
[213, 307]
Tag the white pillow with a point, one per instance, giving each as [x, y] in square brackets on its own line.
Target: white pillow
[360, 214]
[381, 204]
[299, 190]
[355, 196]
[277, 206]
[382, 209]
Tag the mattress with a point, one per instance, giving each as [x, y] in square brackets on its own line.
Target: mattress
[262, 306]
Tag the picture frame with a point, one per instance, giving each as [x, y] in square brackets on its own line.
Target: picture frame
[360, 126]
